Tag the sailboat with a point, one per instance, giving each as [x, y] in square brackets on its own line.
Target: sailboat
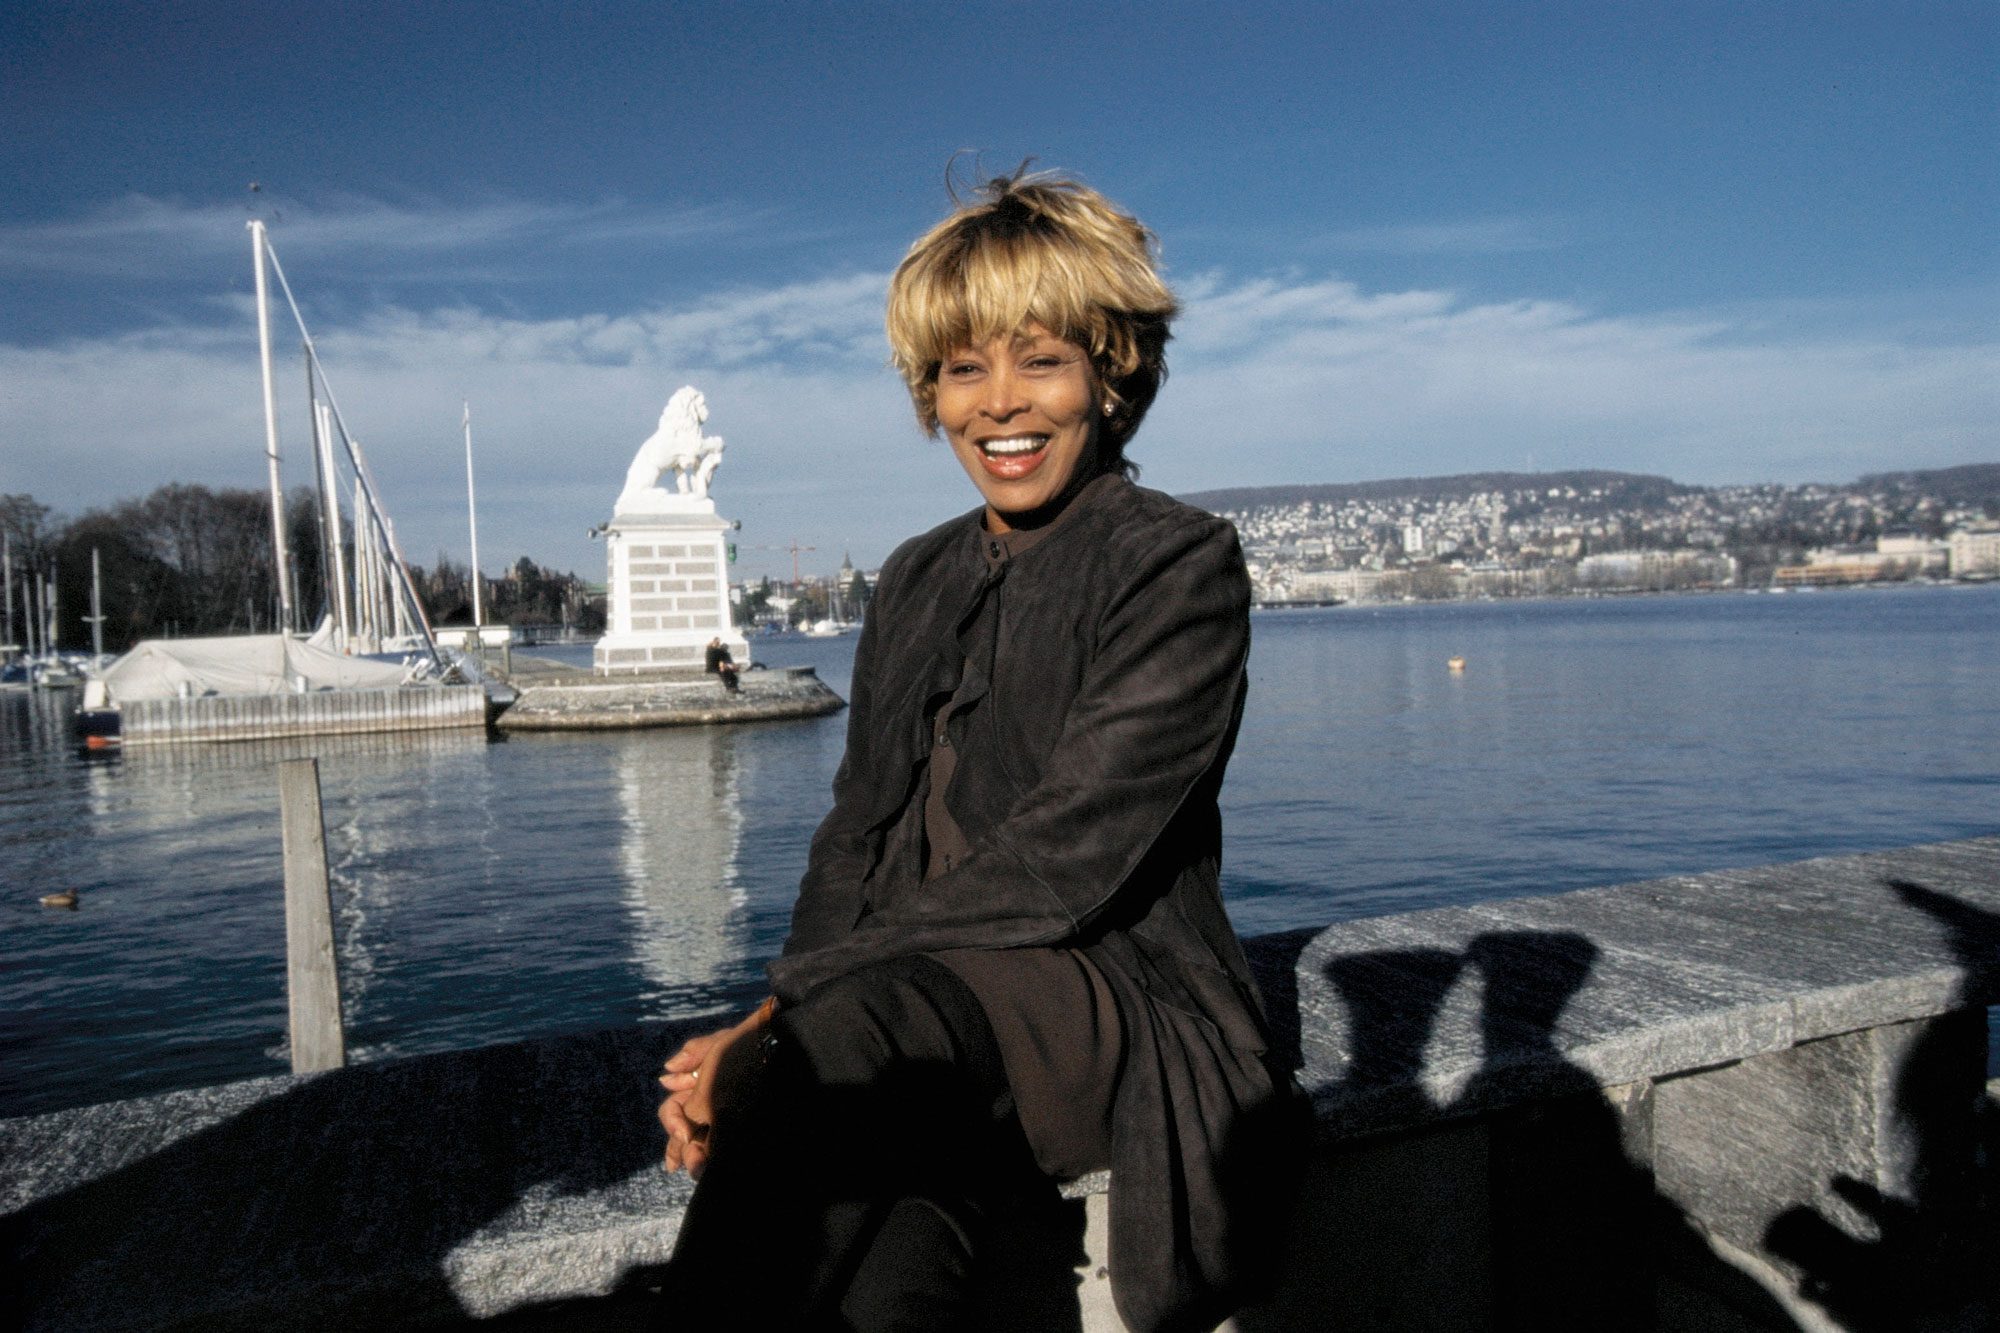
[40, 665]
[373, 664]
[836, 622]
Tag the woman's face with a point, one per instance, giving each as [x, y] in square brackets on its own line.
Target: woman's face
[1021, 414]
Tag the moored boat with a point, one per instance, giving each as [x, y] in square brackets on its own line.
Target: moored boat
[262, 686]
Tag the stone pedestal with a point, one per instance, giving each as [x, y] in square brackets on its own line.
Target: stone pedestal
[669, 589]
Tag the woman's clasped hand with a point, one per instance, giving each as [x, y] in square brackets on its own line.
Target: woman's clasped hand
[707, 1076]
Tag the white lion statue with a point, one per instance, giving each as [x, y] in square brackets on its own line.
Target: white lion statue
[677, 444]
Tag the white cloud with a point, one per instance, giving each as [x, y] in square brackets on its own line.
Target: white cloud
[795, 376]
[1315, 381]
[140, 235]
[833, 320]
[1275, 379]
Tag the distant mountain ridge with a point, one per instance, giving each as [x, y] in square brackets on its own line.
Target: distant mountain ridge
[1972, 483]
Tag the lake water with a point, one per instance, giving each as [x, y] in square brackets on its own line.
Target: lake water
[487, 890]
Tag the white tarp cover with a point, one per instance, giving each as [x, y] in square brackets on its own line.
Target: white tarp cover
[240, 664]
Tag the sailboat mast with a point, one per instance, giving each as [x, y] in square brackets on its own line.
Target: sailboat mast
[385, 616]
[330, 500]
[369, 624]
[343, 598]
[96, 609]
[320, 483]
[7, 563]
[281, 565]
[472, 512]
[31, 609]
[395, 578]
[365, 607]
[378, 603]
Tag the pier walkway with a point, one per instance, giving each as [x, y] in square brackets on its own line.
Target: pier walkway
[1753, 1099]
[554, 697]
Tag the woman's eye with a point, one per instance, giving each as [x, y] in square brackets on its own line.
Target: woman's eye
[1043, 363]
[959, 370]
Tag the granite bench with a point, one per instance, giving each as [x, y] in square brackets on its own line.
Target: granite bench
[1748, 1099]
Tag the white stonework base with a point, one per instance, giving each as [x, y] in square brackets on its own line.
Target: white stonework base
[669, 576]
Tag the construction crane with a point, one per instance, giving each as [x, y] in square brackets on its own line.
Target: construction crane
[794, 548]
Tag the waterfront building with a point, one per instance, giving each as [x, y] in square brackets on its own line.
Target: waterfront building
[1891, 557]
[1974, 553]
[1347, 585]
[1920, 555]
[1826, 574]
[1656, 570]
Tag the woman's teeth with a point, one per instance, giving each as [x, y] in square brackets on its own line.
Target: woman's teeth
[1026, 444]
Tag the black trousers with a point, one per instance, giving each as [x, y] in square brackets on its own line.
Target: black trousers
[857, 1188]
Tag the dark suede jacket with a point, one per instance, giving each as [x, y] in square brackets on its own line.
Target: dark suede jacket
[1087, 788]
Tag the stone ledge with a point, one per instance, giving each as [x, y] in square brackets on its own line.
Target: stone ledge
[1404, 1019]
[399, 1193]
[469, 1184]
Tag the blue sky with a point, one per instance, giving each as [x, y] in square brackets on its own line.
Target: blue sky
[1727, 242]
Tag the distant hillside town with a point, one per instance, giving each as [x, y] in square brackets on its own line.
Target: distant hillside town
[1506, 534]
[186, 560]
[1503, 534]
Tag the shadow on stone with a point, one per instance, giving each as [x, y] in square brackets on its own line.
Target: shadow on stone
[1523, 1202]
[339, 1201]
[1570, 1210]
[1923, 1256]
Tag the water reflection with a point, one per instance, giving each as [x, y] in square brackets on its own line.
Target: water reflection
[161, 786]
[383, 798]
[479, 891]
[682, 825]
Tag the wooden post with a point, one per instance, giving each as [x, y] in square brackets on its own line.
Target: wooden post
[312, 975]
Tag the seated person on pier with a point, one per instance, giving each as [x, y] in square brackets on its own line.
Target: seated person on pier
[1009, 961]
[720, 663]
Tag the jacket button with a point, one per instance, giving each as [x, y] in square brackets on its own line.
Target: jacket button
[993, 549]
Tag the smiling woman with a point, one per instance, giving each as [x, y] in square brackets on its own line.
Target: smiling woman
[1050, 259]
[1022, 414]
[1009, 964]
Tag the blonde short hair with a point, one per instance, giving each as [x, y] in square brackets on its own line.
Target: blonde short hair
[1036, 249]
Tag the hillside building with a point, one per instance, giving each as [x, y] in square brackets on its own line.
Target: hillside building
[1974, 553]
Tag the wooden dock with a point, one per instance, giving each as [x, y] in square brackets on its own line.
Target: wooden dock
[256, 717]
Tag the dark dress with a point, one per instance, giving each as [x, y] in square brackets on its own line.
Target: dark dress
[1090, 689]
